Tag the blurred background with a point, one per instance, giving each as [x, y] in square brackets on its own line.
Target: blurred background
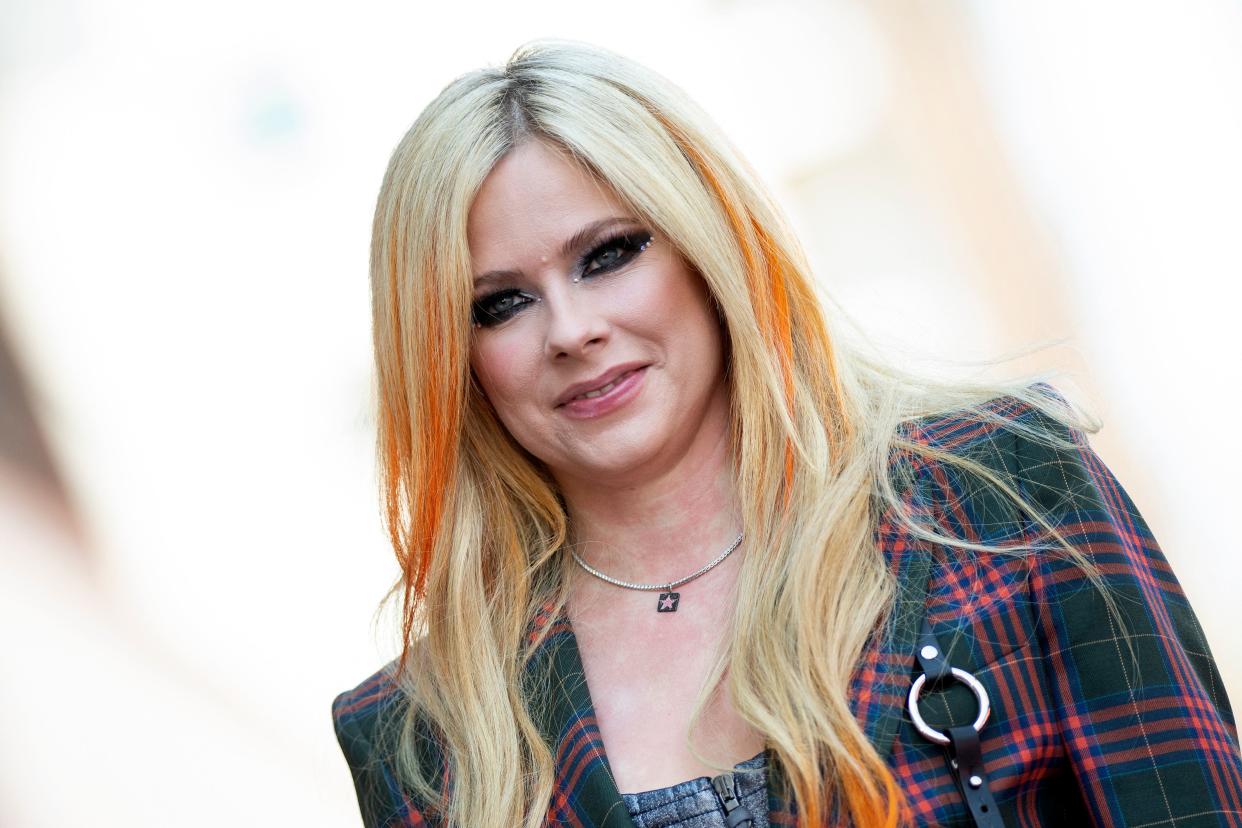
[190, 547]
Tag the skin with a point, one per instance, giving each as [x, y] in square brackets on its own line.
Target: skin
[648, 482]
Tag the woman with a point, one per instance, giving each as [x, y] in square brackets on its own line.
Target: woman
[645, 499]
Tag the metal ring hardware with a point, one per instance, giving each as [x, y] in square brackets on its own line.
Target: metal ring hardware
[981, 695]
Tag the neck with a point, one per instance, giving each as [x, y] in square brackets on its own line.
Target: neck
[663, 528]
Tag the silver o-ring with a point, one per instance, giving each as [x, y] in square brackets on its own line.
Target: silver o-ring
[981, 694]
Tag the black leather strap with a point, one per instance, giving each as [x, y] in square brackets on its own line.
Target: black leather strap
[972, 778]
[931, 655]
[965, 753]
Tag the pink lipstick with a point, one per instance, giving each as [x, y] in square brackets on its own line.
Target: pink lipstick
[604, 394]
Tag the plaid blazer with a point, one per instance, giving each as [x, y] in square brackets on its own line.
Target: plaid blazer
[1098, 717]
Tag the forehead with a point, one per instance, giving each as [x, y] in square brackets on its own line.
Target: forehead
[533, 199]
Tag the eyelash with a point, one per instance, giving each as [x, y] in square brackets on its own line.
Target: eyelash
[486, 312]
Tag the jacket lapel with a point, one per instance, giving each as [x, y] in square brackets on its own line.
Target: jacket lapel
[584, 793]
[882, 680]
[880, 684]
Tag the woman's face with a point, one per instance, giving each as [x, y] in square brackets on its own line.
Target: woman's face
[594, 341]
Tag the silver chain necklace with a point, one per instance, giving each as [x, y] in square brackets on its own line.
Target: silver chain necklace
[668, 598]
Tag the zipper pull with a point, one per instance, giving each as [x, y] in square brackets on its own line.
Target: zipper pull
[736, 814]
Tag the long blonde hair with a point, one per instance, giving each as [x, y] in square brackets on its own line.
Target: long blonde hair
[477, 524]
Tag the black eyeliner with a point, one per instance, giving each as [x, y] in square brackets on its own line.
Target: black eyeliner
[630, 243]
[631, 240]
[484, 318]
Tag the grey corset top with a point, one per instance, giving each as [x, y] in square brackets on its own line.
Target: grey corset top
[695, 803]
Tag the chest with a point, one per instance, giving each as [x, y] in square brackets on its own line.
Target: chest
[645, 675]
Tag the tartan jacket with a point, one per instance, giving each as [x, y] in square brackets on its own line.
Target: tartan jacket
[1099, 717]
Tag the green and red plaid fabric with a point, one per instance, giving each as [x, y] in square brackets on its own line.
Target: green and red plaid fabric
[1099, 717]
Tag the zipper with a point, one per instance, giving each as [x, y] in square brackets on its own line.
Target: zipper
[736, 814]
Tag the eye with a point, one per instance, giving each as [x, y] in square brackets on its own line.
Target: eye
[614, 252]
[498, 307]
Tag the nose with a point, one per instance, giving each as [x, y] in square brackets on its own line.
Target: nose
[575, 325]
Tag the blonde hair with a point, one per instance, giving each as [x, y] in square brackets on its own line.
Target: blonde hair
[477, 524]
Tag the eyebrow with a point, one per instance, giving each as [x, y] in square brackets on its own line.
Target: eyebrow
[569, 247]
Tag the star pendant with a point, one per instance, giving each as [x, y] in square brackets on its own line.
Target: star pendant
[668, 602]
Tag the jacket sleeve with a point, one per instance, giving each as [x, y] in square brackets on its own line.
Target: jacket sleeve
[362, 719]
[1143, 714]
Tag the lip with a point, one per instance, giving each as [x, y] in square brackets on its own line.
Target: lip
[628, 377]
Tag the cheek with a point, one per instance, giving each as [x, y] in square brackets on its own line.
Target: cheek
[503, 370]
[681, 310]
[508, 375]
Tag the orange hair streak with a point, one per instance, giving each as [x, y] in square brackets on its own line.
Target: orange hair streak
[766, 283]
[419, 459]
[769, 289]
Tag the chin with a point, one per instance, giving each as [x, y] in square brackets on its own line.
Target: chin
[612, 467]
[616, 454]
